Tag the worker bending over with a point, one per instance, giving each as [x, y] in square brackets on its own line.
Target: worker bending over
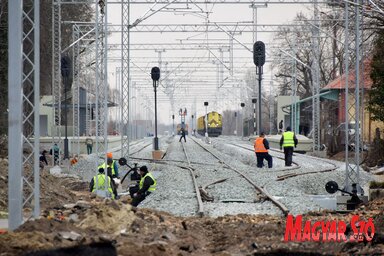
[261, 149]
[99, 179]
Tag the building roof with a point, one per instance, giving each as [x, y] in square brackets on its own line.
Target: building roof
[339, 82]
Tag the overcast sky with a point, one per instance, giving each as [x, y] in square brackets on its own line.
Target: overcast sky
[205, 87]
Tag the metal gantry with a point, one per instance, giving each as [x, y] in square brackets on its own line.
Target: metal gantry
[316, 79]
[101, 45]
[76, 89]
[214, 2]
[24, 99]
[352, 105]
[56, 75]
[125, 77]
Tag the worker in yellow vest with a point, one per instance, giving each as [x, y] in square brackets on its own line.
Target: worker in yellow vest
[99, 179]
[261, 147]
[112, 164]
[146, 186]
[112, 172]
[288, 141]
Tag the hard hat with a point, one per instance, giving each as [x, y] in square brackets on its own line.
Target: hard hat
[109, 155]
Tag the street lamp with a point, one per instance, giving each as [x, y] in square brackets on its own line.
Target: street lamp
[242, 121]
[206, 119]
[66, 72]
[155, 75]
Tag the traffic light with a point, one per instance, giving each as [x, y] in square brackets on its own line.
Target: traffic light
[259, 53]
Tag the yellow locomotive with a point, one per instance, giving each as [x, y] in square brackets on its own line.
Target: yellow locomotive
[178, 128]
[215, 124]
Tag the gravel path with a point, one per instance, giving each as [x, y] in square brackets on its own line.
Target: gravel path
[175, 192]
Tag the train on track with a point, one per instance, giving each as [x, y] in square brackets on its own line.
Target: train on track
[215, 124]
[179, 126]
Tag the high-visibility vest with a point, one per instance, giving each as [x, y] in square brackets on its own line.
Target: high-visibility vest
[100, 179]
[288, 139]
[153, 186]
[259, 145]
[112, 167]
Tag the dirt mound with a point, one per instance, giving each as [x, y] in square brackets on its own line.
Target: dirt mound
[112, 217]
[135, 231]
[79, 225]
[54, 191]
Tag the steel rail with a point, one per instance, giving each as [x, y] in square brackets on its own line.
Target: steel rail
[282, 207]
[197, 190]
[290, 175]
[282, 158]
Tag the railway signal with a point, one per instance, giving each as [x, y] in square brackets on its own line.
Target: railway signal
[66, 72]
[254, 100]
[155, 75]
[242, 105]
[192, 123]
[173, 125]
[206, 119]
[259, 60]
[259, 53]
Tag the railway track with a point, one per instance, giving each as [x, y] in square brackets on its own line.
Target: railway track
[213, 168]
[140, 149]
[297, 166]
[260, 190]
[200, 211]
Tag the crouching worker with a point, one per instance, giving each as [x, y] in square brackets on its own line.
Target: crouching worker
[114, 182]
[146, 186]
[261, 149]
[98, 182]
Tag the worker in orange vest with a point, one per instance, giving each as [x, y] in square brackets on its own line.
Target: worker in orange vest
[261, 149]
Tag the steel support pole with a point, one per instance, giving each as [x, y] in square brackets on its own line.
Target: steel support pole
[259, 100]
[346, 102]
[206, 121]
[66, 153]
[24, 115]
[254, 116]
[125, 77]
[156, 140]
[357, 97]
[36, 88]
[316, 80]
[56, 76]
[15, 125]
